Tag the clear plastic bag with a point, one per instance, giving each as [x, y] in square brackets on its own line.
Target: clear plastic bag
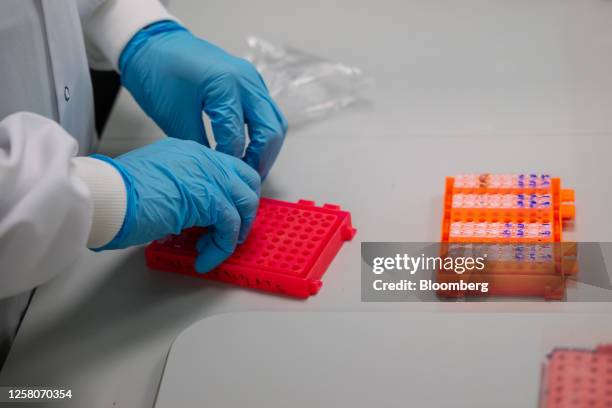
[306, 87]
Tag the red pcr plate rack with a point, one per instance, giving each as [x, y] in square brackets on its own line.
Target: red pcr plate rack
[287, 251]
[577, 378]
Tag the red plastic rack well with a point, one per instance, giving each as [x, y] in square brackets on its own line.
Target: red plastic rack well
[288, 250]
[577, 378]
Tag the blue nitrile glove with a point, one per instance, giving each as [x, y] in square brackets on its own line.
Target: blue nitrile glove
[174, 75]
[176, 184]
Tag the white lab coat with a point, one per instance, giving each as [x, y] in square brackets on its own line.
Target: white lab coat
[50, 201]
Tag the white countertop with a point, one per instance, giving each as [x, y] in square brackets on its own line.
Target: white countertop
[479, 85]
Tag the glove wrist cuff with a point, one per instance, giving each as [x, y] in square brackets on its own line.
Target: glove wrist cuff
[130, 205]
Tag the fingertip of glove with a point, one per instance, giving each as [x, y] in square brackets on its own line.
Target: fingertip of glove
[244, 233]
[210, 255]
[201, 266]
[203, 263]
[253, 162]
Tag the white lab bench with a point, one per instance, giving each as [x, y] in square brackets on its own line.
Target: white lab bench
[478, 85]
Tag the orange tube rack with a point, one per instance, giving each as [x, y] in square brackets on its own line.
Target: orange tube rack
[517, 219]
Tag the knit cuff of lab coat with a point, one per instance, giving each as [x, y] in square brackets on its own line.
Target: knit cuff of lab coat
[108, 195]
[114, 23]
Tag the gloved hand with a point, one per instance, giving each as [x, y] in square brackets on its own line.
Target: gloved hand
[175, 184]
[174, 75]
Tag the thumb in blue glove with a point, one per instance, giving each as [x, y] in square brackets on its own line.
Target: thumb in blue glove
[174, 75]
[174, 184]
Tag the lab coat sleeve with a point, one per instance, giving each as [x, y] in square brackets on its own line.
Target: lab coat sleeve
[113, 23]
[48, 207]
